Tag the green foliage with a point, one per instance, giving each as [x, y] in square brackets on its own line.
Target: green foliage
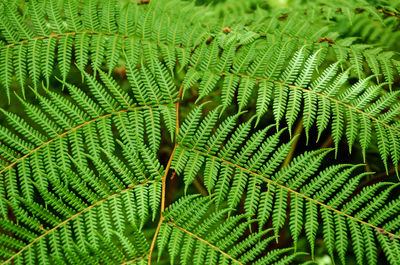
[137, 132]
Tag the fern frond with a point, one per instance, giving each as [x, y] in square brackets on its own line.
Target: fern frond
[99, 198]
[311, 193]
[44, 168]
[92, 30]
[336, 101]
[38, 161]
[213, 241]
[321, 31]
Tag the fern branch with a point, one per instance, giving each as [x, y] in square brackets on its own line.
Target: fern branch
[314, 40]
[91, 33]
[71, 218]
[11, 165]
[320, 95]
[202, 235]
[344, 107]
[97, 36]
[294, 192]
[109, 115]
[266, 26]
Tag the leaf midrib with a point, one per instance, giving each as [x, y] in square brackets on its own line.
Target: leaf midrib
[318, 94]
[92, 32]
[109, 115]
[73, 217]
[295, 192]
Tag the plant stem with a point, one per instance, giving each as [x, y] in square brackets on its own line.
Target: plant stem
[164, 179]
[327, 143]
[297, 131]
